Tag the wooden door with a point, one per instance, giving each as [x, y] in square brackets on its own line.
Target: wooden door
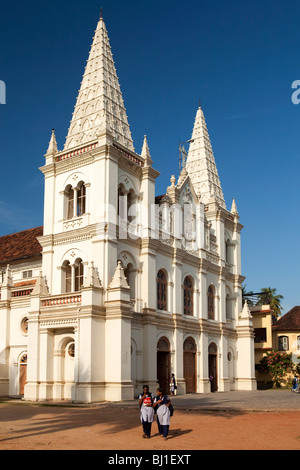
[189, 371]
[23, 374]
[213, 372]
[189, 365]
[163, 364]
[163, 370]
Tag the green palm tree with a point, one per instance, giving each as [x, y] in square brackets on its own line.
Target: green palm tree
[268, 296]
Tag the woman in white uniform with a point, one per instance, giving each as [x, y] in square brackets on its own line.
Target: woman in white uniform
[146, 411]
[162, 403]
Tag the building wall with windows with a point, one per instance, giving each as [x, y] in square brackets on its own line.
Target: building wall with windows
[286, 333]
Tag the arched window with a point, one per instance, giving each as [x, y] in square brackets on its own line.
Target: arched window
[130, 275]
[81, 199]
[189, 345]
[68, 277]
[163, 345]
[72, 280]
[298, 342]
[78, 275]
[120, 207]
[70, 202]
[75, 201]
[162, 303]
[126, 200]
[129, 203]
[228, 307]
[188, 296]
[211, 303]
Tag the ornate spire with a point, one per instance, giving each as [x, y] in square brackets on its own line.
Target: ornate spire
[92, 278]
[52, 149]
[201, 165]
[246, 312]
[146, 153]
[100, 104]
[40, 287]
[234, 210]
[119, 279]
[8, 281]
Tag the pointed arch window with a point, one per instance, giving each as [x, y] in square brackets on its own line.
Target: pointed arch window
[81, 199]
[162, 299]
[211, 303]
[68, 277]
[75, 201]
[188, 291]
[70, 203]
[78, 275]
[73, 276]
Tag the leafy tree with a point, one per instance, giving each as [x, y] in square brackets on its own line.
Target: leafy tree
[269, 297]
[277, 364]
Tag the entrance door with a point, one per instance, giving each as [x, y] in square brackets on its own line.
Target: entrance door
[189, 365]
[163, 364]
[23, 374]
[212, 367]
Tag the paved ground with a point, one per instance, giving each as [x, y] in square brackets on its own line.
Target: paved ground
[266, 420]
[257, 400]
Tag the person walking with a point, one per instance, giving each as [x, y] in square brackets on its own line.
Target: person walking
[146, 411]
[162, 402]
[295, 383]
[173, 385]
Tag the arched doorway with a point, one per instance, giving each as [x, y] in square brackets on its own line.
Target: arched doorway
[189, 365]
[212, 367]
[163, 364]
[68, 368]
[23, 374]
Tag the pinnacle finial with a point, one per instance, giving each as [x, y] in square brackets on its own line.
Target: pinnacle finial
[52, 149]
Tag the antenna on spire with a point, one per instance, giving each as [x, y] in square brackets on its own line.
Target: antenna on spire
[101, 14]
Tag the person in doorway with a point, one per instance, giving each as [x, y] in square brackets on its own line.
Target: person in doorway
[146, 411]
[173, 385]
[162, 402]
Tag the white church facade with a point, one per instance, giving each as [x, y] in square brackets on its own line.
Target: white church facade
[120, 287]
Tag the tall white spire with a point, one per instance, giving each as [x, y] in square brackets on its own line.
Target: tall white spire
[100, 104]
[201, 165]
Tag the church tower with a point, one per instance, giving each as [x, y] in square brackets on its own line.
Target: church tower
[89, 298]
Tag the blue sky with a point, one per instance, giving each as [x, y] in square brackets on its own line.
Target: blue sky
[239, 58]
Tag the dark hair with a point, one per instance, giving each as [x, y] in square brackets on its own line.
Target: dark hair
[146, 386]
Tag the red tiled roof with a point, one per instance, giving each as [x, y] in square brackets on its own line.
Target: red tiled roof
[20, 245]
[289, 321]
